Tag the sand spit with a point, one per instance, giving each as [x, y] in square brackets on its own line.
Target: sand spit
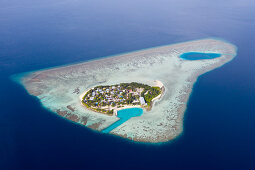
[59, 89]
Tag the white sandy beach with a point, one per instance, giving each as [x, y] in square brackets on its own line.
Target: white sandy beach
[155, 83]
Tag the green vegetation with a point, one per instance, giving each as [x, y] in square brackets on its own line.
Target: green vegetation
[104, 99]
[151, 94]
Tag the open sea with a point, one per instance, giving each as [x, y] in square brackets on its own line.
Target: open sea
[219, 125]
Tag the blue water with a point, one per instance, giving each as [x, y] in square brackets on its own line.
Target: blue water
[124, 115]
[219, 121]
[199, 56]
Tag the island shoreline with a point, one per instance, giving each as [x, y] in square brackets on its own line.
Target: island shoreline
[156, 99]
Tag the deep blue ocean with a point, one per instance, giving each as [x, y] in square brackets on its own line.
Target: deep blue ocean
[219, 126]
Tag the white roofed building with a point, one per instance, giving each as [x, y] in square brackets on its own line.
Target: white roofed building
[142, 101]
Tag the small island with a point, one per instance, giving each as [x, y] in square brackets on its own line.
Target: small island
[108, 99]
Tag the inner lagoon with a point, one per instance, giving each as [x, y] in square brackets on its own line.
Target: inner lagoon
[124, 115]
[199, 56]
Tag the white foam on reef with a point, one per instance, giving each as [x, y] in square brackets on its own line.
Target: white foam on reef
[55, 87]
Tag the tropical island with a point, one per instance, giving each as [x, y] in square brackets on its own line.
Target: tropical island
[65, 90]
[107, 99]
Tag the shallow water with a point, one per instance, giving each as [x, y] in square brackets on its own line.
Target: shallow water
[219, 121]
[199, 56]
[124, 115]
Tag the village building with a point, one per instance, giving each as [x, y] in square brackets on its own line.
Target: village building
[142, 101]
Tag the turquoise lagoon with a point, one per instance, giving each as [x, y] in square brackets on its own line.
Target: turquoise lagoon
[199, 56]
[124, 115]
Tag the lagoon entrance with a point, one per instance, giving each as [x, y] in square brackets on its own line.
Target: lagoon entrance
[124, 115]
[199, 56]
